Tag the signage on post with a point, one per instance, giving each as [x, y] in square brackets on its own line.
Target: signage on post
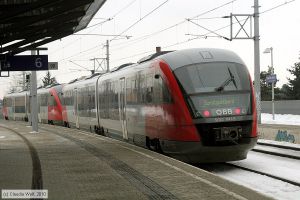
[271, 78]
[25, 63]
[52, 65]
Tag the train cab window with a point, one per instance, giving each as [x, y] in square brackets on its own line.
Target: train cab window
[212, 77]
[216, 88]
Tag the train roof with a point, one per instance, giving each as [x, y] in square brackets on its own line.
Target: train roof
[152, 56]
[15, 94]
[180, 58]
[175, 59]
[185, 57]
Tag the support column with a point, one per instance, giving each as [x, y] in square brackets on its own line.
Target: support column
[107, 55]
[257, 61]
[33, 103]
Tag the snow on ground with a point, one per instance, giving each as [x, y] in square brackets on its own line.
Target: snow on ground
[286, 119]
[289, 168]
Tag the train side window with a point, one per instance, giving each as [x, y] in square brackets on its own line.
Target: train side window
[158, 90]
[51, 100]
[114, 108]
[86, 101]
[134, 90]
[141, 89]
[116, 96]
[106, 101]
[110, 99]
[161, 91]
[166, 95]
[128, 91]
[92, 101]
[131, 91]
[19, 105]
[149, 88]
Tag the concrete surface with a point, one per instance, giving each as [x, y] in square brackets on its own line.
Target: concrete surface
[79, 165]
[280, 133]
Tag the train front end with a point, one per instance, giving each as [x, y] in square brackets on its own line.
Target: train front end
[218, 92]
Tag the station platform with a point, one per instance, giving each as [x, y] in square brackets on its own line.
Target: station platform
[73, 164]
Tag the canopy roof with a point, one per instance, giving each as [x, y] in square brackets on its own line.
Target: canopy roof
[27, 24]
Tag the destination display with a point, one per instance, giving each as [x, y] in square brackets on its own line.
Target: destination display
[219, 106]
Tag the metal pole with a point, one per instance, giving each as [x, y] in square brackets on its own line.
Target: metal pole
[272, 68]
[107, 55]
[24, 81]
[257, 60]
[94, 65]
[34, 106]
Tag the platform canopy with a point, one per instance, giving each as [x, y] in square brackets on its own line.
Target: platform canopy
[27, 24]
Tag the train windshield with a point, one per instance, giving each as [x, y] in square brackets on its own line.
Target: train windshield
[216, 89]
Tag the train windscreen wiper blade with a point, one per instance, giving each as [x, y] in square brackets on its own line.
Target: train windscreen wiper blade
[226, 82]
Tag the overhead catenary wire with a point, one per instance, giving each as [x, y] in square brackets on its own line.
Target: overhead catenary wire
[78, 65]
[152, 34]
[209, 30]
[206, 34]
[149, 13]
[177, 24]
[70, 43]
[275, 7]
[97, 24]
[172, 26]
[124, 8]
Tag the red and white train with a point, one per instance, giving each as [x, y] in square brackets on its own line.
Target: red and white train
[196, 105]
[16, 106]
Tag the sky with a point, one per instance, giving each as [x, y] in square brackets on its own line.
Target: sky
[142, 22]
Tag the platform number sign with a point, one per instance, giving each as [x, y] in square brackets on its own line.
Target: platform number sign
[38, 63]
[25, 63]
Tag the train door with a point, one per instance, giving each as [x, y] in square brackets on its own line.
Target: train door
[76, 108]
[122, 107]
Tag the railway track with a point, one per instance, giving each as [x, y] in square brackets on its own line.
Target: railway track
[278, 150]
[281, 153]
[264, 174]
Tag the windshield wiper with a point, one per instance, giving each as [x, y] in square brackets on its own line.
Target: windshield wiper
[226, 82]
